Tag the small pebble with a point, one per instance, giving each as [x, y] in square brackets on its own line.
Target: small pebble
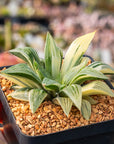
[50, 118]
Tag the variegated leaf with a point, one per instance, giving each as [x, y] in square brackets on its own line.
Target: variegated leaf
[40, 71]
[76, 51]
[86, 109]
[88, 74]
[53, 57]
[20, 94]
[65, 103]
[73, 72]
[50, 84]
[96, 87]
[27, 54]
[74, 92]
[90, 99]
[22, 75]
[102, 67]
[36, 97]
[16, 87]
[30, 56]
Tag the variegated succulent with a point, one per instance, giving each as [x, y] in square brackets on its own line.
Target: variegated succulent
[67, 82]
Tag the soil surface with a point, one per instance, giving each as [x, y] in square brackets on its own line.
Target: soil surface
[50, 118]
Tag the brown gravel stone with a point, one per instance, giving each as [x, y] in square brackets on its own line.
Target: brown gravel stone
[50, 118]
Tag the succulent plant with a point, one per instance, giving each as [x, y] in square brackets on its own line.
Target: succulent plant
[67, 82]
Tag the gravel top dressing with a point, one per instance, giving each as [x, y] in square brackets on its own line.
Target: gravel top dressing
[50, 118]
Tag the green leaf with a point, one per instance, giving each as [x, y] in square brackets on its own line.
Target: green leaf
[88, 74]
[86, 109]
[90, 99]
[102, 67]
[22, 75]
[50, 84]
[27, 54]
[30, 56]
[16, 87]
[76, 51]
[40, 71]
[65, 103]
[53, 57]
[74, 92]
[20, 94]
[85, 59]
[96, 87]
[73, 72]
[36, 97]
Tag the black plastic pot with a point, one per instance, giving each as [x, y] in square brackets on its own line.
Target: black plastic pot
[99, 133]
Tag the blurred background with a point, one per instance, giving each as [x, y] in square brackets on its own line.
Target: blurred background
[26, 22]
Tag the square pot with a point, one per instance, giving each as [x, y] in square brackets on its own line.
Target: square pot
[98, 133]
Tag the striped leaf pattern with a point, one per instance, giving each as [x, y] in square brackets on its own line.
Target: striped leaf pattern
[69, 81]
[76, 51]
[102, 67]
[74, 92]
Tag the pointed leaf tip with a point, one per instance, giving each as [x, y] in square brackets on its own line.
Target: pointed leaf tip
[76, 50]
[86, 109]
[36, 97]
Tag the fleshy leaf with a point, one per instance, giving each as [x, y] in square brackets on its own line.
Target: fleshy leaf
[30, 56]
[65, 103]
[86, 109]
[27, 54]
[53, 57]
[22, 75]
[84, 58]
[50, 84]
[73, 72]
[96, 87]
[102, 67]
[88, 74]
[40, 71]
[76, 51]
[36, 97]
[74, 92]
[90, 99]
[20, 94]
[16, 87]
